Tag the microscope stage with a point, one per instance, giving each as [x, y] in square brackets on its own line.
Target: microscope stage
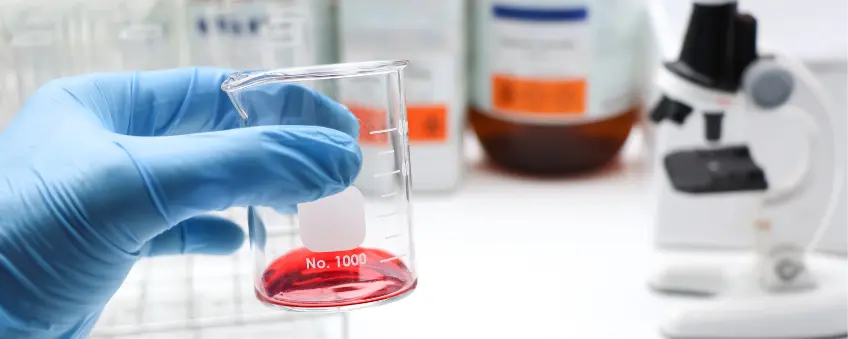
[719, 170]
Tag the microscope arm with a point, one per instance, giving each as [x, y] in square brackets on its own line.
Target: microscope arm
[770, 83]
[774, 83]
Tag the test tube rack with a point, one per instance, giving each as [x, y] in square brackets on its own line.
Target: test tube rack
[206, 297]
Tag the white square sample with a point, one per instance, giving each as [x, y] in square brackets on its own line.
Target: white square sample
[333, 223]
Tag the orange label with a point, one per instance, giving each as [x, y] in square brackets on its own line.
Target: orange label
[567, 97]
[372, 124]
[427, 123]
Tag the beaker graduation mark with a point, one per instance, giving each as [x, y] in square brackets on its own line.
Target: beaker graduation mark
[385, 174]
[383, 131]
[392, 236]
[389, 195]
[385, 215]
[392, 258]
[389, 152]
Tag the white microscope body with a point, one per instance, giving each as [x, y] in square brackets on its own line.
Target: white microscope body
[723, 86]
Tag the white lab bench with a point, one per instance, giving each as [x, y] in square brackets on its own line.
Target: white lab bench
[512, 257]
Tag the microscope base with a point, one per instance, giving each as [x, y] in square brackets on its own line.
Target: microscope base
[704, 279]
[741, 309]
[818, 315]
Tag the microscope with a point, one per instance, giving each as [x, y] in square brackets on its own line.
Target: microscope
[720, 74]
[713, 64]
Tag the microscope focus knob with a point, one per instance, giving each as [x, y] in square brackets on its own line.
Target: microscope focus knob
[768, 84]
[784, 269]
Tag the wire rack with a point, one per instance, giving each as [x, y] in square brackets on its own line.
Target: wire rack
[205, 297]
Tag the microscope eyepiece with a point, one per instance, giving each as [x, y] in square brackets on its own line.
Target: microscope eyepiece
[670, 109]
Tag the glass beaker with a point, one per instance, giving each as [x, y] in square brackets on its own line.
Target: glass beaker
[353, 248]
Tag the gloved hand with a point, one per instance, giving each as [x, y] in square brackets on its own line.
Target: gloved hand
[98, 171]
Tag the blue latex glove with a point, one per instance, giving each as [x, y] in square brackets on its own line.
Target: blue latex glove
[100, 170]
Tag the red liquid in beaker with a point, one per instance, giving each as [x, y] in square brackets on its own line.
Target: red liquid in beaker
[306, 279]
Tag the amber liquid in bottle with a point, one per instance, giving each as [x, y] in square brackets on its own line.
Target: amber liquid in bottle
[553, 149]
[559, 84]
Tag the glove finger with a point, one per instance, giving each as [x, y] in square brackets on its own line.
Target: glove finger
[199, 235]
[148, 103]
[273, 166]
[290, 104]
[190, 100]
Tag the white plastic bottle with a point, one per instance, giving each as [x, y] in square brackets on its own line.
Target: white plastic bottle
[260, 34]
[431, 35]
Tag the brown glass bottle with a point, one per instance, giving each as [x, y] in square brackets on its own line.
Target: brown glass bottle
[552, 149]
[554, 82]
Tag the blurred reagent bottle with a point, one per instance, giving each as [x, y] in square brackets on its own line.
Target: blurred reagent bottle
[431, 36]
[260, 34]
[556, 83]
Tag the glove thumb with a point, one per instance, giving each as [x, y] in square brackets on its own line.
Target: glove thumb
[273, 166]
